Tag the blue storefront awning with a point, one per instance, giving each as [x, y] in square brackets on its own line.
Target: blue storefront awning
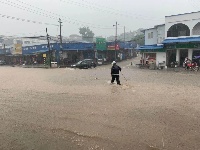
[181, 40]
[150, 47]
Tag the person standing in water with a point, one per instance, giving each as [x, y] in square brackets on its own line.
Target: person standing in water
[115, 73]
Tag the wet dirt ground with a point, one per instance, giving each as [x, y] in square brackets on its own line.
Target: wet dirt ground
[73, 109]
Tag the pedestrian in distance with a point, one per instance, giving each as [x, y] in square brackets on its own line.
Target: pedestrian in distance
[115, 72]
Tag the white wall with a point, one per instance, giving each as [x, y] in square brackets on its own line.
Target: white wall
[151, 41]
[160, 57]
[190, 19]
[160, 34]
[183, 17]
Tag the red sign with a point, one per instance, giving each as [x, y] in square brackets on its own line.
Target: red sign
[113, 47]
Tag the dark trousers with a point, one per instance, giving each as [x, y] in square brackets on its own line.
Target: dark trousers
[115, 77]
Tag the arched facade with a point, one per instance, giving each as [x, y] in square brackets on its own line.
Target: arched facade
[177, 30]
[183, 26]
[196, 29]
[193, 25]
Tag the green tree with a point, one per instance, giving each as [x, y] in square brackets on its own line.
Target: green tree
[87, 34]
[139, 39]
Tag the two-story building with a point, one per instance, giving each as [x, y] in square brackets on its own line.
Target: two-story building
[175, 40]
[182, 37]
[153, 48]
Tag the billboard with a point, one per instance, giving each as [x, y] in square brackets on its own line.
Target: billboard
[100, 44]
[17, 49]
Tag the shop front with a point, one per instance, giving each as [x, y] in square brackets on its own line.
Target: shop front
[179, 49]
[152, 54]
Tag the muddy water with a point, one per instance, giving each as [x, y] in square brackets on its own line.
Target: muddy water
[79, 109]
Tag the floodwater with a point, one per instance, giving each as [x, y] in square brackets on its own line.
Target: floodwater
[73, 109]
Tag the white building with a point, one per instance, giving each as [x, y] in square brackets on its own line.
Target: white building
[180, 35]
[153, 48]
[154, 35]
[187, 24]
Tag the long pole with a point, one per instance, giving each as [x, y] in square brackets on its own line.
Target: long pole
[116, 43]
[60, 39]
[124, 34]
[60, 31]
[49, 49]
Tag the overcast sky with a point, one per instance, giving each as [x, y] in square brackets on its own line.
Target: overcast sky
[98, 15]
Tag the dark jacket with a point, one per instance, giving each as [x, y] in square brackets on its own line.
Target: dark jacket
[115, 70]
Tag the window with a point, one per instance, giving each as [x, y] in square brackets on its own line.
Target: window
[151, 35]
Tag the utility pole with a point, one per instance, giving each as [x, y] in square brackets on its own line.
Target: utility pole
[124, 34]
[49, 48]
[116, 41]
[60, 22]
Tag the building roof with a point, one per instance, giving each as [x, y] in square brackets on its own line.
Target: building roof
[181, 40]
[159, 25]
[183, 14]
[152, 28]
[147, 29]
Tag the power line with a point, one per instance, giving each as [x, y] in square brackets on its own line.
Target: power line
[39, 12]
[22, 19]
[50, 14]
[69, 20]
[108, 10]
[26, 9]
[125, 12]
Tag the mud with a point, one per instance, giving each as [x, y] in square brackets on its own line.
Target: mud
[80, 110]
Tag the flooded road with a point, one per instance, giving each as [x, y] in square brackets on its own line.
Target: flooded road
[73, 109]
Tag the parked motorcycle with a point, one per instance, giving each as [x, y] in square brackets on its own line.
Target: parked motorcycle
[192, 66]
[174, 64]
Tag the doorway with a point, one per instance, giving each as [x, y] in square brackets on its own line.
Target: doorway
[171, 57]
[183, 55]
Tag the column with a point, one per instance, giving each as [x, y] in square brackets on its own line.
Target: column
[190, 53]
[191, 32]
[143, 58]
[178, 56]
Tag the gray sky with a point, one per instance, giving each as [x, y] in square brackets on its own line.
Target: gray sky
[99, 15]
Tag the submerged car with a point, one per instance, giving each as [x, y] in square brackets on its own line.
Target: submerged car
[84, 64]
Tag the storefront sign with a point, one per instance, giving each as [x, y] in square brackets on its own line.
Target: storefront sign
[113, 47]
[17, 49]
[100, 44]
